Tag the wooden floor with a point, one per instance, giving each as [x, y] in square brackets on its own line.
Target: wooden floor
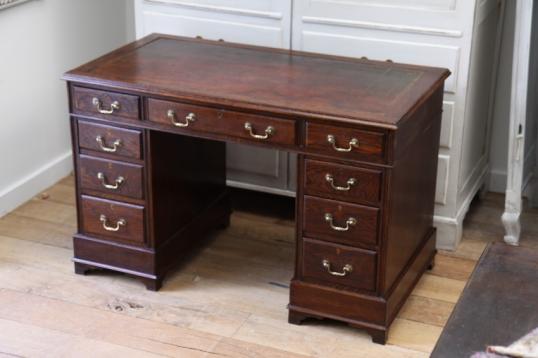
[229, 300]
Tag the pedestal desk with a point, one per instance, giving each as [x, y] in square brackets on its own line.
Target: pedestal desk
[149, 124]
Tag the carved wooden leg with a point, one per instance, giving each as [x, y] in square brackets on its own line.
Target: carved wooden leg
[378, 336]
[432, 264]
[82, 269]
[296, 317]
[152, 284]
[225, 222]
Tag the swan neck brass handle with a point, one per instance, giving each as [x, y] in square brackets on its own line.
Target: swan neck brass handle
[114, 106]
[345, 270]
[189, 118]
[115, 145]
[350, 182]
[349, 223]
[353, 143]
[117, 183]
[269, 131]
[104, 220]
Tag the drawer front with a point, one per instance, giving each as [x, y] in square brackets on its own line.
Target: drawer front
[103, 104]
[342, 182]
[110, 140]
[340, 222]
[346, 142]
[111, 177]
[337, 264]
[231, 124]
[112, 219]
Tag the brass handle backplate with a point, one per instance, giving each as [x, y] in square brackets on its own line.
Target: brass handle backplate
[189, 118]
[114, 106]
[269, 131]
[115, 145]
[349, 223]
[346, 269]
[353, 143]
[108, 227]
[350, 182]
[117, 183]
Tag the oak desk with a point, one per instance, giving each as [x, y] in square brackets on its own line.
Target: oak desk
[149, 122]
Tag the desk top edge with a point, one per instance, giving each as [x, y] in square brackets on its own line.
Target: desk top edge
[431, 79]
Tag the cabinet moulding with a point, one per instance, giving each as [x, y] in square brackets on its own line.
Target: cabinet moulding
[221, 9]
[382, 26]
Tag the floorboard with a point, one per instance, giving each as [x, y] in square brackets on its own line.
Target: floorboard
[228, 300]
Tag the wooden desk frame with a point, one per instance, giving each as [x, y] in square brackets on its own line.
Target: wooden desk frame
[150, 166]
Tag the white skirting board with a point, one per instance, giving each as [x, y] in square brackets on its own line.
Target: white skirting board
[42, 178]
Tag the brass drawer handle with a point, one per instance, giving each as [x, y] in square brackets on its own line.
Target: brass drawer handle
[190, 118]
[347, 269]
[116, 227]
[353, 143]
[114, 106]
[350, 182]
[117, 183]
[105, 148]
[269, 131]
[349, 222]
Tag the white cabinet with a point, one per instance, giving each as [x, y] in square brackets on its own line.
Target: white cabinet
[461, 35]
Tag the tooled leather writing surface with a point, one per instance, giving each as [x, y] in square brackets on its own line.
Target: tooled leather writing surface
[381, 92]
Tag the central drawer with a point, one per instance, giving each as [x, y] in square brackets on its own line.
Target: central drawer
[244, 126]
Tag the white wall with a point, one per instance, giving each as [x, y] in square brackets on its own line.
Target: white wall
[39, 41]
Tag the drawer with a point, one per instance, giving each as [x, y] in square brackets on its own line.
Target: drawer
[111, 177]
[341, 265]
[112, 219]
[103, 104]
[229, 123]
[340, 222]
[111, 140]
[346, 142]
[342, 182]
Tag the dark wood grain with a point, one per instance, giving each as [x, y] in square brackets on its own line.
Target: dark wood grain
[367, 189]
[371, 145]
[132, 174]
[392, 110]
[187, 175]
[130, 139]
[132, 232]
[498, 305]
[220, 121]
[363, 262]
[83, 103]
[412, 190]
[364, 232]
[312, 300]
[262, 78]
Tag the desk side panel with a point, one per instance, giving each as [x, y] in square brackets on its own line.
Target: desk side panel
[410, 204]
